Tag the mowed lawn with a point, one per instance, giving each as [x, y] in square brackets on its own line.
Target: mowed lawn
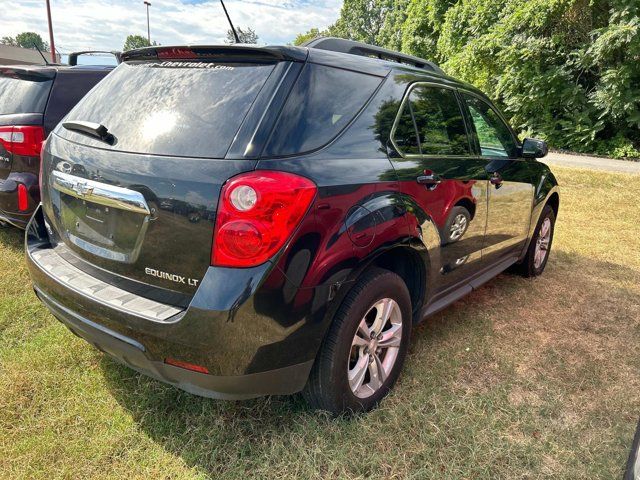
[522, 379]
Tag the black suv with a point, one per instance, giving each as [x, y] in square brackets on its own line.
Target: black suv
[242, 221]
[33, 99]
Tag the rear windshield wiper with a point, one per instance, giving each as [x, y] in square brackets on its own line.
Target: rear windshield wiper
[92, 129]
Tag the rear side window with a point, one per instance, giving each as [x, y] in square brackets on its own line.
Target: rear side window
[172, 108]
[20, 95]
[322, 102]
[434, 113]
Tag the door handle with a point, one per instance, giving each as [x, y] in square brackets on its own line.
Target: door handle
[430, 180]
[496, 179]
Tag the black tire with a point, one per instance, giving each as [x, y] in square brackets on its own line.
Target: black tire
[528, 268]
[328, 385]
[446, 231]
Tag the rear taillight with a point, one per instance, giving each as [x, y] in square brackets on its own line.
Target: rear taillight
[26, 141]
[257, 213]
[23, 197]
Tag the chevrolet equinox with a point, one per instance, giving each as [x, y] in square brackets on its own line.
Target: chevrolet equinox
[241, 221]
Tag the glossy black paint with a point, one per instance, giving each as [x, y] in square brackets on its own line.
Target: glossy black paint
[370, 209]
[66, 86]
[534, 148]
[182, 194]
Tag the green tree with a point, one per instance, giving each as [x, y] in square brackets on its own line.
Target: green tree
[614, 54]
[362, 20]
[565, 70]
[247, 35]
[136, 41]
[310, 35]
[390, 34]
[421, 29]
[26, 40]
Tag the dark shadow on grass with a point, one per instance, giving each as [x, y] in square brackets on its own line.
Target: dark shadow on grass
[211, 435]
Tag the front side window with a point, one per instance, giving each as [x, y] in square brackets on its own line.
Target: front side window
[434, 115]
[493, 135]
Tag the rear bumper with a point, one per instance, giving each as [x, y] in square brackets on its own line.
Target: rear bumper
[251, 340]
[133, 354]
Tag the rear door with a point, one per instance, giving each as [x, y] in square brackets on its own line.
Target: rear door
[437, 168]
[143, 206]
[511, 189]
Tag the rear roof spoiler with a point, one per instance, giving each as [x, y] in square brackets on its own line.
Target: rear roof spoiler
[73, 57]
[28, 72]
[358, 48]
[223, 52]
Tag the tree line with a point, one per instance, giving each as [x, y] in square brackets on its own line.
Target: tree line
[564, 70]
[26, 40]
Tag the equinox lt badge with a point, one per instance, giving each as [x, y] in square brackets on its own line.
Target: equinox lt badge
[192, 282]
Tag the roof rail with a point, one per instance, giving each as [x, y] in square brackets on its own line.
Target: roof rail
[73, 57]
[358, 48]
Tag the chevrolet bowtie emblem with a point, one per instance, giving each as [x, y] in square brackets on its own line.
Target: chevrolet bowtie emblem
[81, 188]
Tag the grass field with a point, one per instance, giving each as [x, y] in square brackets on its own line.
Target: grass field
[521, 379]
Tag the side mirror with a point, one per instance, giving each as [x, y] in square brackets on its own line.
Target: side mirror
[534, 148]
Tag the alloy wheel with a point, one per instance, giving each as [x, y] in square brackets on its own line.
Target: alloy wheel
[375, 347]
[542, 243]
[458, 227]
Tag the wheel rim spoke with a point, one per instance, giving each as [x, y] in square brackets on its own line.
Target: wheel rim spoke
[383, 308]
[539, 257]
[392, 337]
[361, 338]
[545, 228]
[358, 372]
[377, 373]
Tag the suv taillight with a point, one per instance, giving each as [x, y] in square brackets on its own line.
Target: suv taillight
[257, 213]
[26, 141]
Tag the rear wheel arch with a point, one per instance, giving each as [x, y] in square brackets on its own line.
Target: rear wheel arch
[468, 204]
[329, 385]
[408, 262]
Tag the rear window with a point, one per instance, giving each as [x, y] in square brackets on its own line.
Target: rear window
[172, 108]
[19, 95]
[323, 101]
